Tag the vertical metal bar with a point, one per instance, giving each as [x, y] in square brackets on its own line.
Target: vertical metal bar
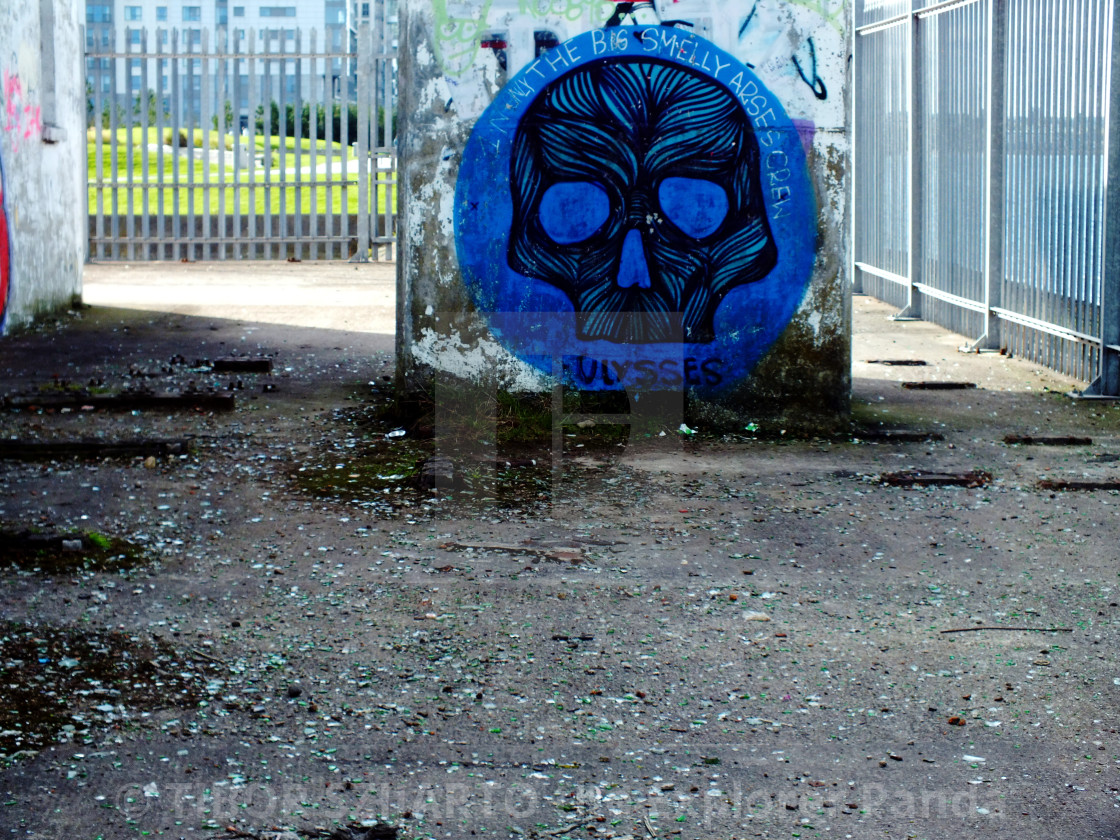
[270, 132]
[115, 245]
[994, 130]
[853, 200]
[298, 105]
[1081, 129]
[283, 139]
[145, 141]
[222, 110]
[191, 120]
[99, 151]
[325, 222]
[1060, 299]
[379, 108]
[176, 154]
[913, 307]
[1107, 382]
[246, 146]
[1033, 153]
[160, 217]
[365, 73]
[129, 152]
[206, 117]
[246, 228]
[1053, 92]
[388, 80]
[1087, 151]
[314, 105]
[1100, 112]
[344, 231]
[87, 48]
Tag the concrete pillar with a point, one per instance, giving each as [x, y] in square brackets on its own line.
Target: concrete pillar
[655, 200]
[42, 158]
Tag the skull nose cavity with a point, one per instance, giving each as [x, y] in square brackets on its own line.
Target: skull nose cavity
[633, 269]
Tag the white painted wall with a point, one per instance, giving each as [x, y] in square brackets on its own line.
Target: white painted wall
[42, 149]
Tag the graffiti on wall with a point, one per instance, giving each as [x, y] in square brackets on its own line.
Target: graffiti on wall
[462, 31]
[21, 119]
[769, 35]
[637, 203]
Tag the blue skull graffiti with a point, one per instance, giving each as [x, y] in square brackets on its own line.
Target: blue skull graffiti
[636, 197]
[636, 191]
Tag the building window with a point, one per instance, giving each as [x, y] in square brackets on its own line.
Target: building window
[239, 11]
[161, 13]
[134, 36]
[278, 11]
[133, 12]
[192, 13]
[99, 13]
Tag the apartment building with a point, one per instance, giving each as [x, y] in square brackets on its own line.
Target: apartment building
[189, 27]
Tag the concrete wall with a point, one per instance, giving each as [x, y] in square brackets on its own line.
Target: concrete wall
[42, 154]
[649, 207]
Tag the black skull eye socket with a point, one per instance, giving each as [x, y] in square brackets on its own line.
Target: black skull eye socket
[695, 206]
[572, 211]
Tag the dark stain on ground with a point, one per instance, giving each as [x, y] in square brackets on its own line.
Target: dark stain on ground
[50, 554]
[500, 451]
[65, 683]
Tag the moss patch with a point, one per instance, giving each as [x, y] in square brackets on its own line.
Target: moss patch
[51, 554]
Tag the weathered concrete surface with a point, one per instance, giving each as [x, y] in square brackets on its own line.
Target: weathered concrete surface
[330, 295]
[42, 153]
[601, 662]
[448, 79]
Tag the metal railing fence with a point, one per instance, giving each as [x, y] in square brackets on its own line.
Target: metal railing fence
[267, 144]
[984, 145]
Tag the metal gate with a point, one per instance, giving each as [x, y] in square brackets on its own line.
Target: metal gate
[986, 159]
[240, 143]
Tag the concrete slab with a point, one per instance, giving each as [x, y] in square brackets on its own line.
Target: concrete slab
[357, 297]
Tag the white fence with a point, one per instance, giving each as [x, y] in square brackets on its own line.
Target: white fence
[987, 173]
[237, 144]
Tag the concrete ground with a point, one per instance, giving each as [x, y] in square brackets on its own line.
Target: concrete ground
[690, 637]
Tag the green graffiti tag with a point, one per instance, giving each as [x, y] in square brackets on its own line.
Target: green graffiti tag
[460, 27]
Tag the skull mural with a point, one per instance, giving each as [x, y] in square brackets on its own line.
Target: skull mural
[636, 191]
[634, 210]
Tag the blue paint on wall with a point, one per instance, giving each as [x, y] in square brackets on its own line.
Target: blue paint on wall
[636, 202]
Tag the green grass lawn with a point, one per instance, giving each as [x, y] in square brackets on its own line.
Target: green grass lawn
[244, 199]
[248, 189]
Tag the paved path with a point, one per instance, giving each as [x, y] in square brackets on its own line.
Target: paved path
[359, 297]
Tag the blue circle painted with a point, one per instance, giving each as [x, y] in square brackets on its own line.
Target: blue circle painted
[586, 235]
